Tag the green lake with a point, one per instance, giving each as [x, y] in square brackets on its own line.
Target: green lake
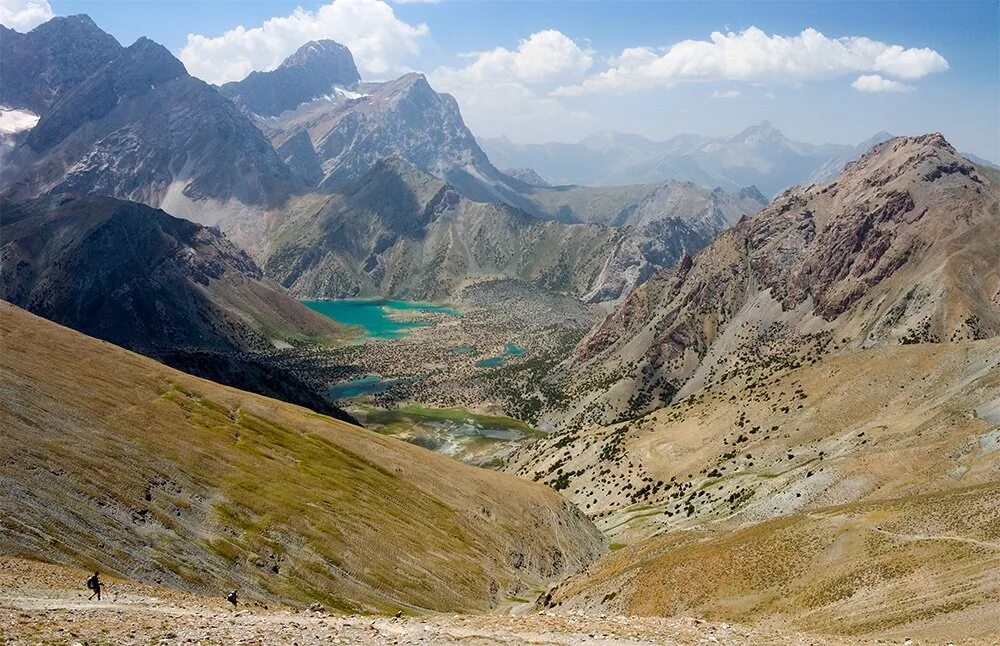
[374, 315]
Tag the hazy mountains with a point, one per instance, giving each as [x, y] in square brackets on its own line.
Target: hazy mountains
[759, 155]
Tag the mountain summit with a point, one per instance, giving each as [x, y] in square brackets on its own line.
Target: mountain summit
[313, 71]
[900, 248]
[137, 127]
[38, 68]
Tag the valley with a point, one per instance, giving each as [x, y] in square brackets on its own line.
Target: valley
[293, 333]
[467, 373]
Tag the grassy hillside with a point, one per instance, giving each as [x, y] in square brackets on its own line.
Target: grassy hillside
[853, 495]
[918, 567]
[111, 460]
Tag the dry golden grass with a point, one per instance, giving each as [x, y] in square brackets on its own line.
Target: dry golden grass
[923, 566]
[112, 460]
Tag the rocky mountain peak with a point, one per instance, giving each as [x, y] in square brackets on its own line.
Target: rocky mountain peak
[753, 193]
[762, 131]
[323, 53]
[62, 23]
[910, 159]
[152, 61]
[38, 68]
[411, 84]
[312, 71]
[527, 175]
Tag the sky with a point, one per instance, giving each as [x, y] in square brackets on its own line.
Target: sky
[537, 71]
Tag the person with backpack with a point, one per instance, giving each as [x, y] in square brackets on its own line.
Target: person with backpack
[94, 584]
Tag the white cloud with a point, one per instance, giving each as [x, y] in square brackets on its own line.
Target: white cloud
[544, 57]
[876, 83]
[728, 94]
[754, 56]
[24, 15]
[502, 91]
[369, 28]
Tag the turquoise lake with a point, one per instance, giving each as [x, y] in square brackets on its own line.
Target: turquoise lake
[511, 350]
[368, 385]
[373, 315]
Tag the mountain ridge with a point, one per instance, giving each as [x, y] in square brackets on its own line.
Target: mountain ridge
[161, 286]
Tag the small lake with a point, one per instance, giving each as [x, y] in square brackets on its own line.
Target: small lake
[375, 315]
[367, 385]
[511, 350]
[455, 432]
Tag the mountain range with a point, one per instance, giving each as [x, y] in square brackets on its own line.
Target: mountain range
[140, 128]
[768, 372]
[759, 155]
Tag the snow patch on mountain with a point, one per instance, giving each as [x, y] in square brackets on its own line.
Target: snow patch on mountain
[13, 120]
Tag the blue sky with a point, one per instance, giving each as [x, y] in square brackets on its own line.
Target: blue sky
[554, 88]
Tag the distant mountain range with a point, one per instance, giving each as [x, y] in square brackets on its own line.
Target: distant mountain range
[759, 155]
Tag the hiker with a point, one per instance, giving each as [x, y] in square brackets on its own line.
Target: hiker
[231, 598]
[94, 584]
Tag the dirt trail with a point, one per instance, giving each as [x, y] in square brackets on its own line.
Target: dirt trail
[39, 605]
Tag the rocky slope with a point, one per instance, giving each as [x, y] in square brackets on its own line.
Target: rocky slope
[141, 471]
[899, 249]
[313, 71]
[918, 568]
[804, 497]
[138, 127]
[158, 285]
[401, 232]
[672, 221]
